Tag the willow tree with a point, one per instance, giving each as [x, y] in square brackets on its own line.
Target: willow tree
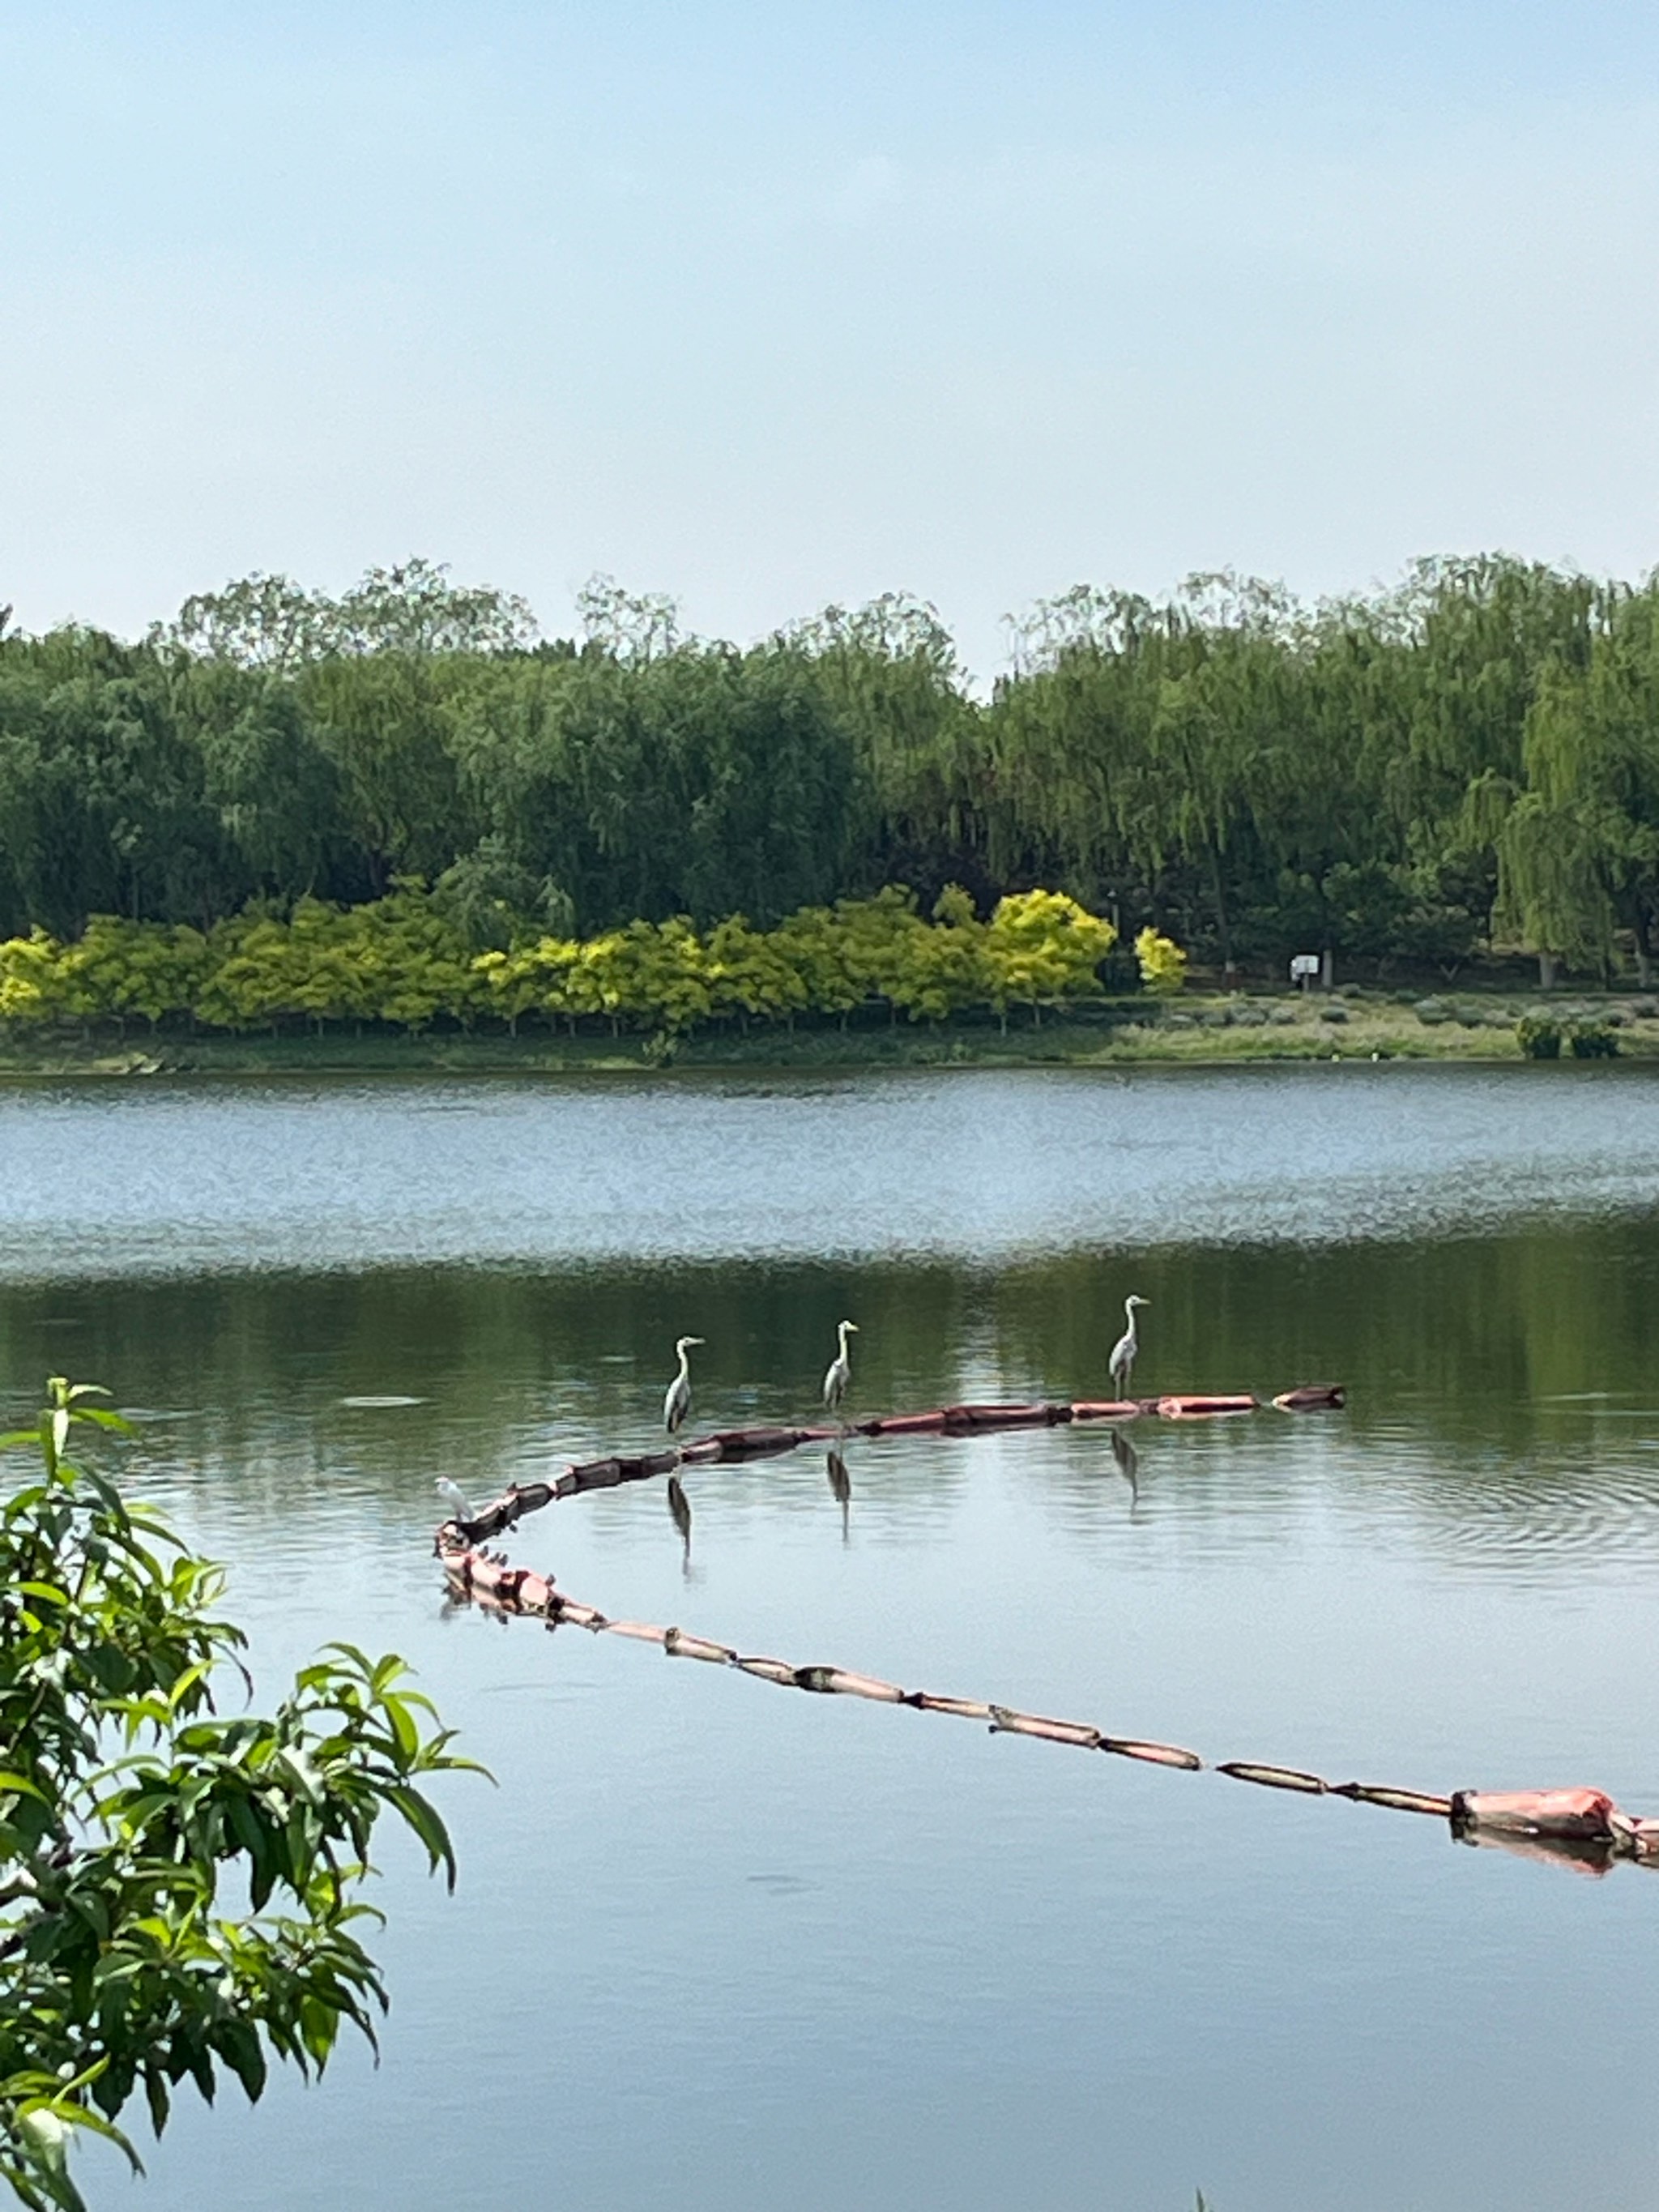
[890, 676]
[1581, 845]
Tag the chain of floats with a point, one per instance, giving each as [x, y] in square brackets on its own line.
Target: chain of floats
[1579, 1825]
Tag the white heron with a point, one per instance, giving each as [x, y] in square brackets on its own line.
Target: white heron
[1124, 1350]
[678, 1402]
[461, 1507]
[839, 1372]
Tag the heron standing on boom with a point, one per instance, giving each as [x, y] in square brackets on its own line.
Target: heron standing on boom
[839, 1373]
[678, 1402]
[1124, 1350]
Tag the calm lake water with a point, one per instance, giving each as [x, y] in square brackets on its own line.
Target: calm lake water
[719, 1945]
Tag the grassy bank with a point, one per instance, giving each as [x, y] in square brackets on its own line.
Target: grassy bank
[1199, 1030]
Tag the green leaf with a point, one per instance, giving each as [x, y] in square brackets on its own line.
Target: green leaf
[422, 1817]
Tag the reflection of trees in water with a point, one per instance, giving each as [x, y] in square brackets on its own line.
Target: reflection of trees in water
[513, 1370]
[1500, 1387]
[1468, 1364]
[1475, 1341]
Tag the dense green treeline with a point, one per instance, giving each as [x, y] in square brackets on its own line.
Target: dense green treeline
[1469, 759]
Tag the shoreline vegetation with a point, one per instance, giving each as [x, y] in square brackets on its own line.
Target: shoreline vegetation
[1424, 779]
[395, 983]
[1204, 1029]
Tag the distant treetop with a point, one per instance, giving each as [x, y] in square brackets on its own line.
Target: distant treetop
[270, 622]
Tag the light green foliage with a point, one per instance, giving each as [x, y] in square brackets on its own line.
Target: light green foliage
[33, 981]
[751, 973]
[945, 969]
[403, 962]
[180, 1886]
[1041, 947]
[653, 974]
[531, 979]
[1163, 962]
[815, 947]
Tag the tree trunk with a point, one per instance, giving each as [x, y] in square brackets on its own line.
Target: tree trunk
[1546, 971]
[1222, 928]
[1643, 947]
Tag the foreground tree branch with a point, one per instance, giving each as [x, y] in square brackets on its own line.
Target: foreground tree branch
[180, 1889]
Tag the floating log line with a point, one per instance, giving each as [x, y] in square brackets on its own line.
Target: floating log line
[731, 1447]
[1578, 1828]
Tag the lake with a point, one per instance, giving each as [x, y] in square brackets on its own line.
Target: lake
[716, 1945]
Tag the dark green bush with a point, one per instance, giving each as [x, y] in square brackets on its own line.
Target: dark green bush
[1538, 1036]
[1594, 1040]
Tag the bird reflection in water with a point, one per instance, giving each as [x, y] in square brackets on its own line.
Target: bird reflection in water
[680, 1506]
[840, 1486]
[1128, 1465]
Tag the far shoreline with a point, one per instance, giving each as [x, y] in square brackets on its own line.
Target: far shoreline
[1202, 1032]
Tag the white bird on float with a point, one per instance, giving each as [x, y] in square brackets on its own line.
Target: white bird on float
[460, 1505]
[839, 1373]
[678, 1402]
[1124, 1350]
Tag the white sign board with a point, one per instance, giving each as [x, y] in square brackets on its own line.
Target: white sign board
[1303, 963]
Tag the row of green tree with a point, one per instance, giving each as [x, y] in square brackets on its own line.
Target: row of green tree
[405, 961]
[1468, 759]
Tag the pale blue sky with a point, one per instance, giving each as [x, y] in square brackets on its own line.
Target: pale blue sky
[771, 306]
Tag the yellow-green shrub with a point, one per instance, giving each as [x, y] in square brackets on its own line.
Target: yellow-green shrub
[1163, 962]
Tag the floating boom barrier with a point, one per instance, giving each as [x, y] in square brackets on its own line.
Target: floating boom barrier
[1579, 1828]
[729, 1447]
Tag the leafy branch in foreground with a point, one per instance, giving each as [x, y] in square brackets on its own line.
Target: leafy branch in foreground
[128, 1805]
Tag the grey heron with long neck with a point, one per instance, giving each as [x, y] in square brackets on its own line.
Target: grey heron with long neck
[676, 1404]
[839, 1373]
[1124, 1350]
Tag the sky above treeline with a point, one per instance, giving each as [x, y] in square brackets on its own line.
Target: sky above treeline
[772, 306]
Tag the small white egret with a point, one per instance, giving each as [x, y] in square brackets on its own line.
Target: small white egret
[839, 1373]
[678, 1402]
[1124, 1350]
[461, 1507]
